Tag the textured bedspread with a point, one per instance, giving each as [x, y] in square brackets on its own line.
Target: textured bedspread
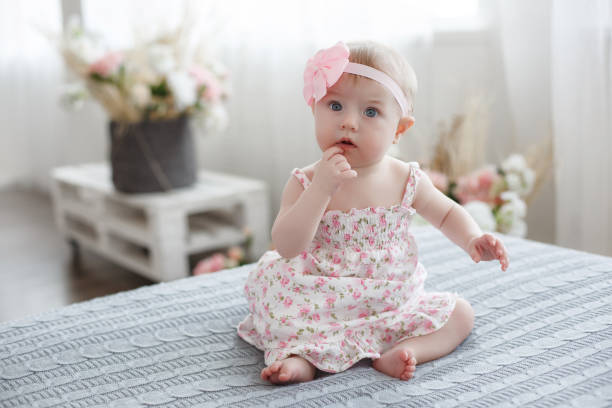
[542, 338]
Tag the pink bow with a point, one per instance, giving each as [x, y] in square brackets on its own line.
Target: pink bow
[323, 70]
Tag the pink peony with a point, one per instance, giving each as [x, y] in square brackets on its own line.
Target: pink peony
[236, 253]
[477, 186]
[212, 264]
[107, 65]
[212, 87]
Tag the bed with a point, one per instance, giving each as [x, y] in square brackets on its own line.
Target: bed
[542, 338]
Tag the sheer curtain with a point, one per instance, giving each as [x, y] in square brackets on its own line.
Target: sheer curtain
[582, 112]
[265, 45]
[29, 73]
[558, 73]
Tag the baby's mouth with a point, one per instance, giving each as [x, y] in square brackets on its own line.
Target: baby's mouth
[346, 143]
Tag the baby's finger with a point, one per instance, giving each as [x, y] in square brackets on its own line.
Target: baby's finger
[475, 256]
[491, 239]
[348, 174]
[343, 166]
[338, 158]
[331, 152]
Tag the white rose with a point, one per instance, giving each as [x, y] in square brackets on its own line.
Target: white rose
[528, 181]
[481, 212]
[514, 164]
[161, 58]
[514, 182]
[183, 89]
[213, 118]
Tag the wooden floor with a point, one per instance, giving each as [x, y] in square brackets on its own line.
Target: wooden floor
[37, 272]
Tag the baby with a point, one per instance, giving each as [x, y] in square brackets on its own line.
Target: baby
[345, 283]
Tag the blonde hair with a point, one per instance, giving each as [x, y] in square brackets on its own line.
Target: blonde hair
[387, 60]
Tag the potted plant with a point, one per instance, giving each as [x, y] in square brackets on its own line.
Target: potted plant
[151, 92]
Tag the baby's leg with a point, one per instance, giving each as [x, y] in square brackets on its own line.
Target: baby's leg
[401, 359]
[290, 370]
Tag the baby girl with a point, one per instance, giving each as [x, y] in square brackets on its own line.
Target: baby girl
[345, 282]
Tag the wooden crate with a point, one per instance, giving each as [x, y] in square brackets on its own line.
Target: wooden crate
[154, 234]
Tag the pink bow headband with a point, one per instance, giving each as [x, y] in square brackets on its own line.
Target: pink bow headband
[325, 68]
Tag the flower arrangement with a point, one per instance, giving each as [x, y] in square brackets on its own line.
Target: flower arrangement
[233, 257]
[495, 195]
[163, 78]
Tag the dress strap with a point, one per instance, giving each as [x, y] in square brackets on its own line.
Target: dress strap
[302, 177]
[411, 185]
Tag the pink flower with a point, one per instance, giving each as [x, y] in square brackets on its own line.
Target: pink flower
[347, 237]
[284, 281]
[337, 259]
[320, 281]
[212, 264]
[316, 317]
[236, 253]
[304, 311]
[363, 314]
[330, 302]
[477, 186]
[356, 294]
[107, 65]
[212, 87]
[287, 302]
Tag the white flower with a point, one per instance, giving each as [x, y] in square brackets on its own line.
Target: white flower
[514, 182]
[213, 118]
[514, 164]
[161, 58]
[528, 181]
[481, 212]
[510, 217]
[518, 176]
[183, 89]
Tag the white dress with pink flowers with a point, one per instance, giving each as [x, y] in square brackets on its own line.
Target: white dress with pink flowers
[352, 294]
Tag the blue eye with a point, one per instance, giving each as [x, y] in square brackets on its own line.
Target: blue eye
[371, 112]
[335, 106]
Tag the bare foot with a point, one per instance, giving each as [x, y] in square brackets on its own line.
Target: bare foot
[399, 362]
[290, 370]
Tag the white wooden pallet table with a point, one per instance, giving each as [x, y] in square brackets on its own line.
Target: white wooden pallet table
[154, 234]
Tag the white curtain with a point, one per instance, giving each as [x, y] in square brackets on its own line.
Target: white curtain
[582, 111]
[265, 45]
[557, 69]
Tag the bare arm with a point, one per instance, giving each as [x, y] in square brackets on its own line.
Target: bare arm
[446, 215]
[301, 210]
[298, 218]
[458, 226]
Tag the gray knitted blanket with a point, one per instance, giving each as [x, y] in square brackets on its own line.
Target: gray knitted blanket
[542, 338]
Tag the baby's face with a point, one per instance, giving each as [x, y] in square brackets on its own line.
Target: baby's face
[359, 115]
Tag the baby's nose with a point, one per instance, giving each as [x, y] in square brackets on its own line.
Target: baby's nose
[349, 121]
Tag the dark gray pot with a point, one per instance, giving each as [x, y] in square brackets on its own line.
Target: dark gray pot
[152, 156]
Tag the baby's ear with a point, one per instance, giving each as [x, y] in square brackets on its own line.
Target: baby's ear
[404, 124]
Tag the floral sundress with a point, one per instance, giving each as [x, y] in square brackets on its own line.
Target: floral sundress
[352, 294]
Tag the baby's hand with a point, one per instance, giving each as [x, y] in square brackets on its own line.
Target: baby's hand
[332, 170]
[486, 247]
